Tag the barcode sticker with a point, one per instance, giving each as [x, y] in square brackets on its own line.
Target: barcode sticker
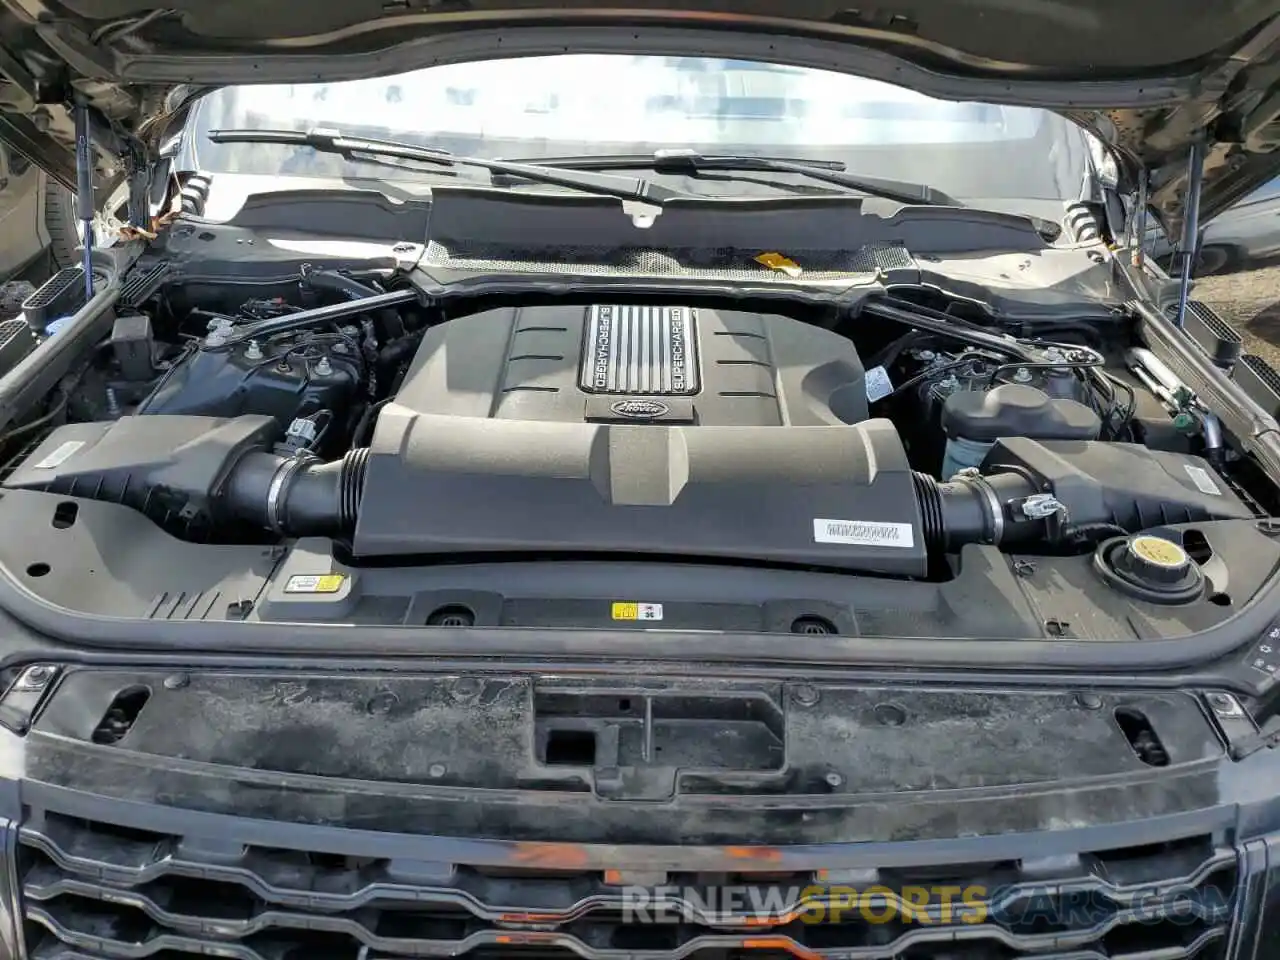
[863, 533]
[1203, 481]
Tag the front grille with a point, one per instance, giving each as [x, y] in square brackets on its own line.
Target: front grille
[95, 891]
[639, 349]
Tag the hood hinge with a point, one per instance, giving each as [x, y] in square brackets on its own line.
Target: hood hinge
[1189, 244]
[84, 187]
[1135, 228]
[93, 129]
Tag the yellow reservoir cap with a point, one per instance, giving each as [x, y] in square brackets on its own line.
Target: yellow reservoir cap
[1159, 552]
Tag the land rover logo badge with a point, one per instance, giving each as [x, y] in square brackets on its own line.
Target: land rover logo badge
[640, 409]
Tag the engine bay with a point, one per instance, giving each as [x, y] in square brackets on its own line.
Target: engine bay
[345, 407]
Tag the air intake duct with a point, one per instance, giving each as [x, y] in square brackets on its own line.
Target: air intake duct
[297, 496]
[975, 509]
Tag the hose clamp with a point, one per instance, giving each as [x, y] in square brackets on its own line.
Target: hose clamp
[994, 511]
[279, 487]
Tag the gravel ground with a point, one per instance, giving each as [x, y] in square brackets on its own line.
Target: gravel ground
[1250, 301]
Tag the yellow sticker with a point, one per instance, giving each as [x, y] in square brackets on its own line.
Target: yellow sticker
[776, 261]
[629, 610]
[315, 583]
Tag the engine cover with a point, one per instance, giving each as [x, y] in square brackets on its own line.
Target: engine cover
[836, 496]
[639, 429]
[628, 364]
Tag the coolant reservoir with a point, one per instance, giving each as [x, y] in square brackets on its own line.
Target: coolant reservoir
[973, 420]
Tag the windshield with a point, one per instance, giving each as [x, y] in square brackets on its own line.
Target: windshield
[1020, 159]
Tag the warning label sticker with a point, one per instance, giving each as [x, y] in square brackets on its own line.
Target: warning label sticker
[879, 385]
[315, 583]
[630, 610]
[863, 533]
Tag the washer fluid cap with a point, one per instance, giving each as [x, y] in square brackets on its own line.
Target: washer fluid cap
[1156, 560]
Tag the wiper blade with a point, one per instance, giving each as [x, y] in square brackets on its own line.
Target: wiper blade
[353, 148]
[691, 162]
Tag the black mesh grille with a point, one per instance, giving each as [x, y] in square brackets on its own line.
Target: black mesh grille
[142, 283]
[1260, 381]
[61, 293]
[102, 892]
[690, 262]
[1216, 337]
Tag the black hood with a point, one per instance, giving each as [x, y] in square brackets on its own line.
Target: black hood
[1149, 77]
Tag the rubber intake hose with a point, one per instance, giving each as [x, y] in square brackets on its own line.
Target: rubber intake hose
[297, 496]
[350, 289]
[973, 509]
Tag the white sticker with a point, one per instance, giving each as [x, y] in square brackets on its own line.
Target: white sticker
[60, 454]
[878, 384]
[863, 533]
[315, 583]
[1204, 483]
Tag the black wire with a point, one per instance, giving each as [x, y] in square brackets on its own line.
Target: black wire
[362, 425]
[894, 349]
[1092, 531]
[65, 388]
[1118, 417]
[926, 375]
[59, 406]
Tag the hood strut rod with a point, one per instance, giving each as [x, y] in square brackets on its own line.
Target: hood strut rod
[1190, 241]
[84, 189]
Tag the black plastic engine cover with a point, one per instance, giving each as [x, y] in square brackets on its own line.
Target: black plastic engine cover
[610, 363]
[837, 496]
[170, 468]
[1121, 483]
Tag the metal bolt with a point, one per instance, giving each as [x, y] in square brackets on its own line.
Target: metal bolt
[253, 351]
[436, 771]
[1022, 375]
[833, 779]
[323, 368]
[1090, 701]
[176, 681]
[805, 695]
[1225, 705]
[36, 677]
[464, 688]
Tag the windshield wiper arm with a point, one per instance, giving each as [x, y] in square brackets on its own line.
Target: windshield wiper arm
[336, 142]
[691, 162]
